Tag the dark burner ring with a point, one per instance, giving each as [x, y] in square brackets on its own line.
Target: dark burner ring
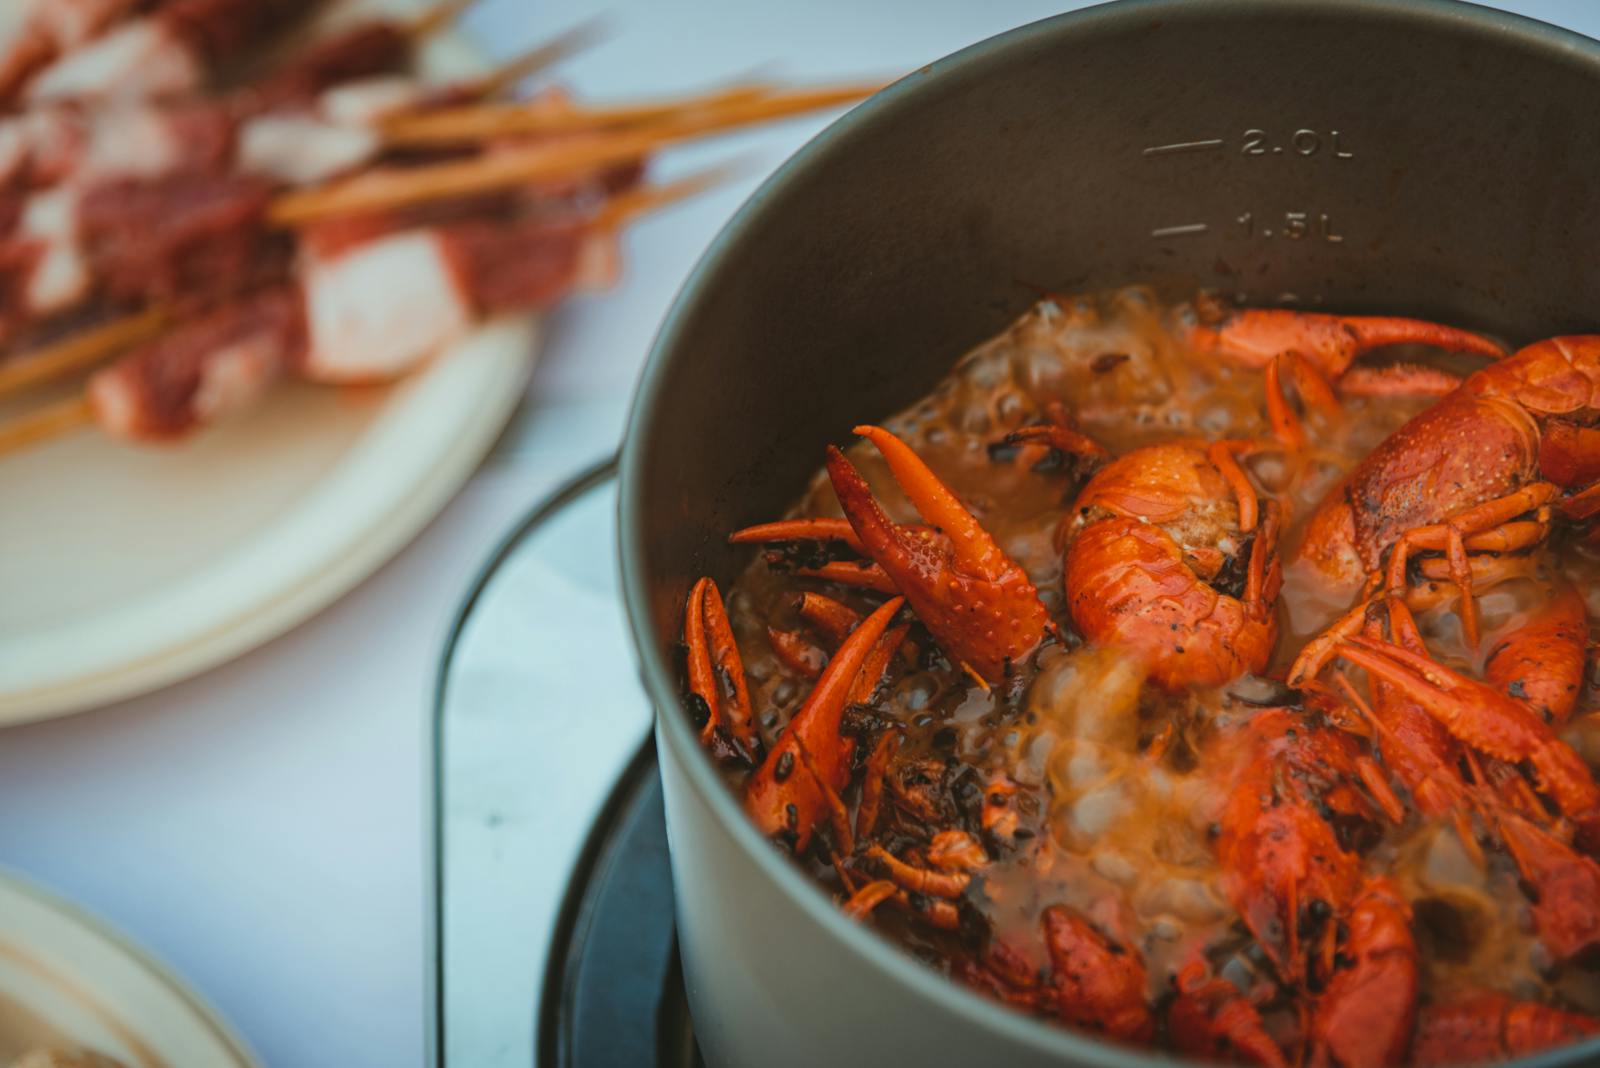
[613, 993]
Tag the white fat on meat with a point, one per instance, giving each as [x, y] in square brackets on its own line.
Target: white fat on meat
[60, 275]
[301, 148]
[114, 402]
[14, 146]
[134, 141]
[377, 310]
[46, 141]
[341, 134]
[368, 101]
[237, 376]
[138, 60]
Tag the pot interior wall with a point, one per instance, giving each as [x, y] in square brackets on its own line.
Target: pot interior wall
[1362, 157]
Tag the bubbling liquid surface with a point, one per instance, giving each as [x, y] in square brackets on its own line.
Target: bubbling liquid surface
[1108, 825]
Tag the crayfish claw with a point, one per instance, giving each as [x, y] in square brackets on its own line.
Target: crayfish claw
[1483, 1027]
[1099, 981]
[974, 599]
[1255, 336]
[1542, 660]
[1565, 887]
[1316, 350]
[973, 548]
[784, 796]
[1213, 1019]
[1365, 1015]
[715, 670]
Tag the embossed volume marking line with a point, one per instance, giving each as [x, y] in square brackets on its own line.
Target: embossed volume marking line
[1184, 146]
[1179, 231]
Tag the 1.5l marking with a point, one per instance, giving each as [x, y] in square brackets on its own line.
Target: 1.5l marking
[1296, 226]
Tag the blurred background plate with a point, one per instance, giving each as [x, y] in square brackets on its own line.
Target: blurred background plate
[67, 982]
[126, 568]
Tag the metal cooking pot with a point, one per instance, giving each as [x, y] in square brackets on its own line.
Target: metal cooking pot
[1425, 157]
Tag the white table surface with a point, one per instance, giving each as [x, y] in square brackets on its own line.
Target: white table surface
[261, 827]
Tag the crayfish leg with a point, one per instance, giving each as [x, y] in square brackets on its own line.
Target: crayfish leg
[1057, 435]
[1491, 523]
[1316, 349]
[877, 768]
[1484, 718]
[1253, 336]
[1317, 653]
[863, 901]
[835, 619]
[1316, 393]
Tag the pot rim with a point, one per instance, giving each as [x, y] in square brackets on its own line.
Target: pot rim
[661, 681]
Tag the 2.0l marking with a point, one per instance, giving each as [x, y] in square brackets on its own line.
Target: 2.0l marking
[1303, 142]
[1255, 142]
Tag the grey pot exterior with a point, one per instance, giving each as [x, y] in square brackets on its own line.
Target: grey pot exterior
[1423, 157]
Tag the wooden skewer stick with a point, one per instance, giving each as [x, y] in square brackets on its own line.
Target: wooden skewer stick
[85, 349]
[431, 20]
[477, 122]
[50, 421]
[625, 207]
[383, 191]
[542, 57]
[75, 412]
[80, 350]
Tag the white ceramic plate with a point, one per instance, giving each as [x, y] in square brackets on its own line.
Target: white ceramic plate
[126, 568]
[68, 982]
